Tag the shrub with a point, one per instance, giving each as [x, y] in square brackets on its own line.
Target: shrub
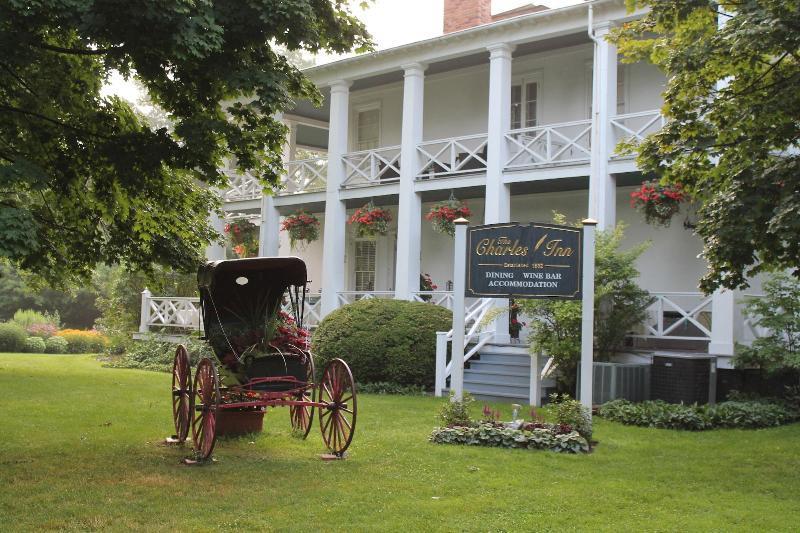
[658, 414]
[382, 387]
[55, 345]
[42, 330]
[457, 413]
[12, 337]
[619, 306]
[34, 345]
[158, 356]
[572, 413]
[83, 341]
[779, 312]
[28, 317]
[383, 340]
[487, 434]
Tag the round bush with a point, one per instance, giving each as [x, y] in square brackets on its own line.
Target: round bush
[383, 340]
[12, 337]
[35, 345]
[55, 345]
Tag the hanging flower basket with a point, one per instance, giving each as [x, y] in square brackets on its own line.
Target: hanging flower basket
[426, 285]
[370, 221]
[658, 203]
[302, 227]
[243, 236]
[442, 215]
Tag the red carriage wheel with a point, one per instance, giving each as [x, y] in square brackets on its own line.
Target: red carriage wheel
[303, 415]
[337, 419]
[206, 406]
[181, 393]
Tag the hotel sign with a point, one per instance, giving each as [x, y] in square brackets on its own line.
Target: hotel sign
[524, 261]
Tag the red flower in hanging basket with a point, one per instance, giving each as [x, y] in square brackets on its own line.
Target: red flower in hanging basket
[659, 203]
[443, 215]
[243, 237]
[302, 227]
[370, 221]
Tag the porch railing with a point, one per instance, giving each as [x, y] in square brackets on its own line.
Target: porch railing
[170, 312]
[563, 143]
[241, 187]
[305, 175]
[348, 297]
[372, 167]
[678, 316]
[473, 318]
[456, 155]
[634, 127]
[441, 298]
[751, 329]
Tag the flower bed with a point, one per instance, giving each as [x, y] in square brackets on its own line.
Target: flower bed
[658, 414]
[490, 434]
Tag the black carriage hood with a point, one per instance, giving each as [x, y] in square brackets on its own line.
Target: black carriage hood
[273, 271]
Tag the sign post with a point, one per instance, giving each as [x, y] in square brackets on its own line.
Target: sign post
[587, 315]
[459, 275]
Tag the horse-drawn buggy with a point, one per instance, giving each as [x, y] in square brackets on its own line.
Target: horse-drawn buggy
[261, 357]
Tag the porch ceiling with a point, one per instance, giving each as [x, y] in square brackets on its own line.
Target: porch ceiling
[557, 185]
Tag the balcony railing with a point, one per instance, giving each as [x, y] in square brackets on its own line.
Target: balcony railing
[305, 175]
[372, 167]
[678, 316]
[634, 127]
[348, 297]
[564, 143]
[457, 155]
[242, 187]
[441, 298]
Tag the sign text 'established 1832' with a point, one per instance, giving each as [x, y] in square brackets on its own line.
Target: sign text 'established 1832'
[524, 261]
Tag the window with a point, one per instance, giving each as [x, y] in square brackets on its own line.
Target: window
[365, 265]
[368, 129]
[525, 105]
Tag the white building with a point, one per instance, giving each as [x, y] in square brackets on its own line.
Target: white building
[518, 115]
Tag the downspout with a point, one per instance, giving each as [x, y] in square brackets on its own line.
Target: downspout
[595, 106]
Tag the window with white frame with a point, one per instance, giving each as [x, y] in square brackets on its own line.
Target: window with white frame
[525, 104]
[367, 128]
[365, 265]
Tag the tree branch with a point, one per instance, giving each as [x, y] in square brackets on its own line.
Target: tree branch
[53, 121]
[78, 51]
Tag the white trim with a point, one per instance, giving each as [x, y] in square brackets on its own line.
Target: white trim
[532, 76]
[374, 105]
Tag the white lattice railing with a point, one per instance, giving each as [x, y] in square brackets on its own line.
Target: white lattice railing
[241, 187]
[679, 316]
[441, 298]
[473, 318]
[171, 312]
[457, 155]
[370, 167]
[305, 175]
[567, 142]
[750, 329]
[635, 126]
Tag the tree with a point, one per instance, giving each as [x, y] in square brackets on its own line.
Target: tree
[84, 180]
[619, 306]
[733, 124]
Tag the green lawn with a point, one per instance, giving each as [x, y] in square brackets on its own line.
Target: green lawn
[79, 450]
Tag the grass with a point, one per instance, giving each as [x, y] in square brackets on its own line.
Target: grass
[79, 451]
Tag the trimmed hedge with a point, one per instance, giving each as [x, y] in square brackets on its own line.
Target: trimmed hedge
[35, 345]
[383, 340]
[658, 414]
[12, 337]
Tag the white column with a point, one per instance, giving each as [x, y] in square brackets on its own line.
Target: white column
[459, 285]
[498, 194]
[602, 185]
[144, 316]
[333, 246]
[587, 315]
[269, 232]
[409, 211]
[723, 311]
[215, 251]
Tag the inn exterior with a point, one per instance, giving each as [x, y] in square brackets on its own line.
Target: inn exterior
[519, 115]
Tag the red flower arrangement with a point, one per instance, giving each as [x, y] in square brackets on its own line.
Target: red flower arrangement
[303, 227]
[370, 221]
[659, 203]
[288, 335]
[243, 236]
[444, 213]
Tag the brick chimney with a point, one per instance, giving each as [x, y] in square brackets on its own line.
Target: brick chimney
[463, 14]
